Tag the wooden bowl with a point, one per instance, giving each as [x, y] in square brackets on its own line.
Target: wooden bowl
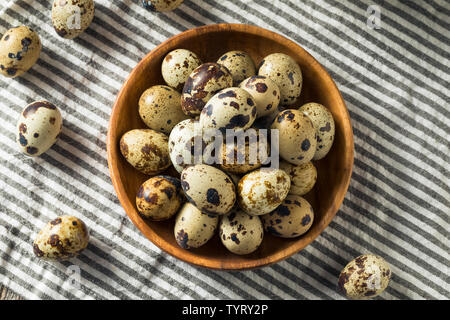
[210, 42]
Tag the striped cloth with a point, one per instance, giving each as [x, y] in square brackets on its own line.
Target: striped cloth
[393, 73]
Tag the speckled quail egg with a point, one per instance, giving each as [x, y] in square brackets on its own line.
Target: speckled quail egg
[303, 176]
[209, 189]
[62, 238]
[286, 73]
[365, 277]
[240, 65]
[70, 18]
[231, 108]
[38, 128]
[241, 233]
[20, 48]
[160, 109]
[161, 5]
[159, 198]
[147, 150]
[204, 82]
[292, 218]
[323, 121]
[194, 228]
[261, 191]
[265, 92]
[297, 136]
[177, 66]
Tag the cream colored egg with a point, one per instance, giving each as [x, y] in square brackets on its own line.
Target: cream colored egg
[303, 177]
[241, 233]
[62, 238]
[20, 48]
[194, 228]
[240, 65]
[177, 66]
[38, 128]
[70, 18]
[323, 121]
[261, 191]
[146, 150]
[265, 92]
[161, 5]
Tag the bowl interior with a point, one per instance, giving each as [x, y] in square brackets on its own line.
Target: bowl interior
[210, 42]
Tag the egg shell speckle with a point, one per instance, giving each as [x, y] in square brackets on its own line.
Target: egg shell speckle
[303, 177]
[177, 66]
[241, 233]
[364, 277]
[20, 48]
[38, 128]
[265, 92]
[146, 149]
[159, 198]
[160, 108]
[262, 190]
[240, 65]
[62, 238]
[286, 73]
[63, 13]
[297, 136]
[204, 82]
[161, 5]
[209, 189]
[194, 228]
[323, 121]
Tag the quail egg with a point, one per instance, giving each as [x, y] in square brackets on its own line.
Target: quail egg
[160, 108]
[261, 191]
[204, 82]
[146, 149]
[159, 198]
[297, 136]
[323, 121]
[20, 48]
[177, 66]
[62, 238]
[231, 108]
[70, 18]
[38, 128]
[364, 277]
[286, 73]
[194, 228]
[303, 177]
[265, 92]
[240, 65]
[290, 219]
[161, 5]
[241, 233]
[209, 189]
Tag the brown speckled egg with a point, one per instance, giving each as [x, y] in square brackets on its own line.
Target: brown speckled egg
[240, 65]
[177, 66]
[292, 218]
[160, 108]
[61, 239]
[159, 198]
[286, 73]
[146, 150]
[323, 121]
[303, 176]
[241, 233]
[70, 18]
[364, 277]
[194, 228]
[297, 136]
[208, 188]
[161, 5]
[262, 190]
[265, 92]
[231, 108]
[204, 82]
[38, 128]
[20, 48]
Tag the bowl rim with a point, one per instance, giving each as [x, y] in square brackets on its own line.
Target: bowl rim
[201, 261]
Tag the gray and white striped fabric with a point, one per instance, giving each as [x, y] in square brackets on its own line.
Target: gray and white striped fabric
[393, 73]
